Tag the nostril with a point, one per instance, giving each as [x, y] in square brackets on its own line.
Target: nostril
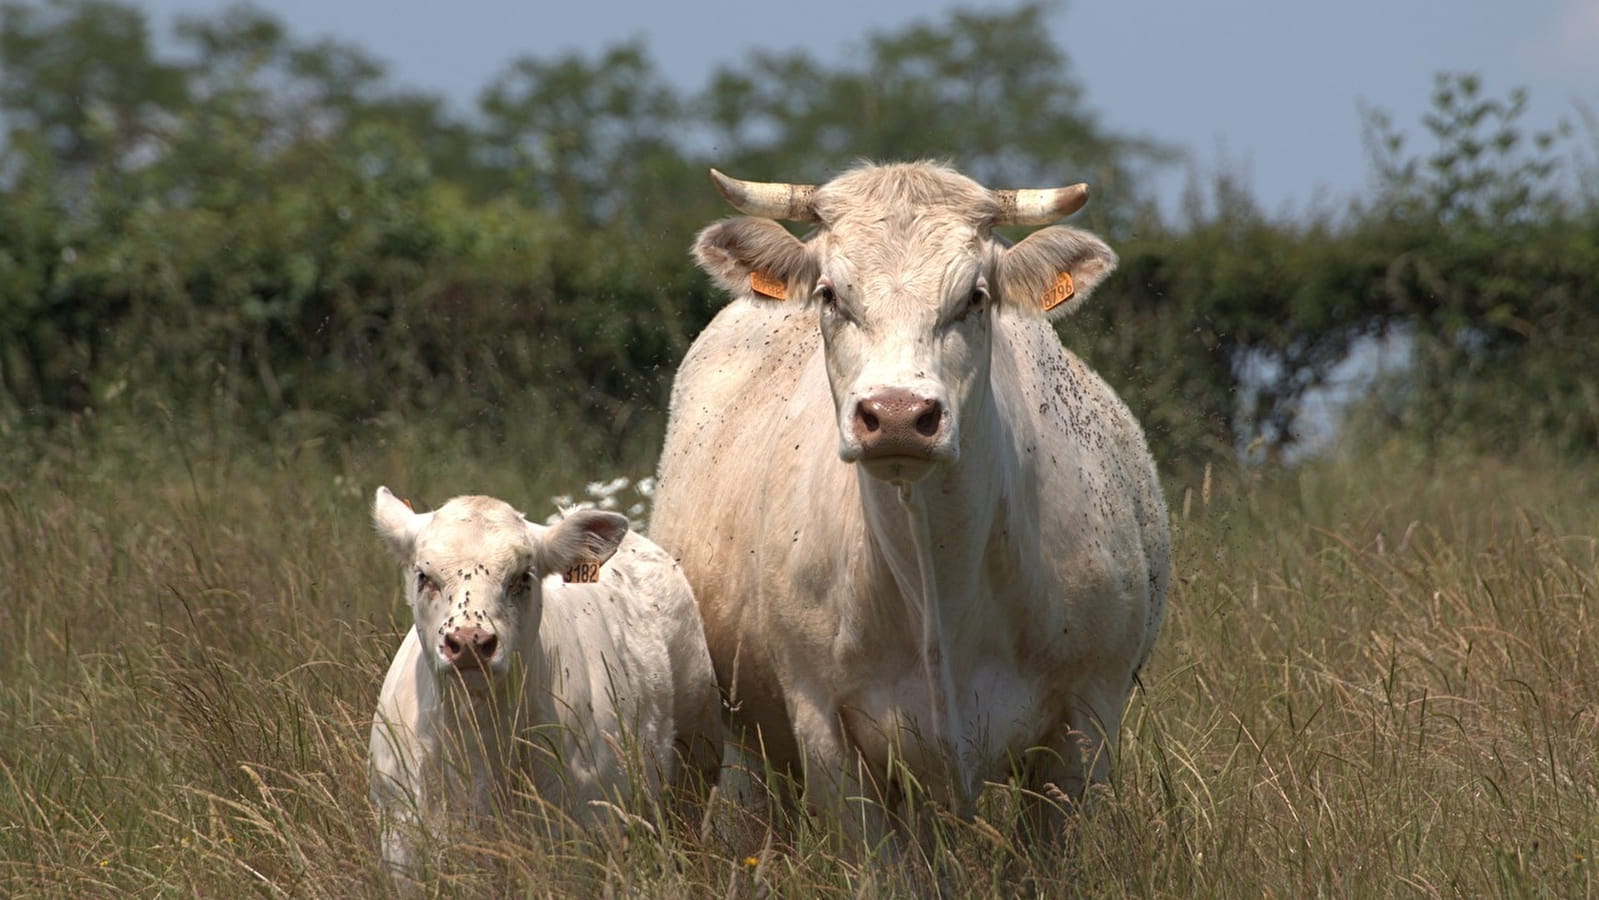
[487, 646]
[452, 648]
[927, 423]
[867, 419]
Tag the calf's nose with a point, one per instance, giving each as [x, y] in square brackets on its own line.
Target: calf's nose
[470, 647]
[897, 422]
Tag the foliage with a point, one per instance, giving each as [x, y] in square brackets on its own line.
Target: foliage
[81, 77]
[260, 230]
[591, 137]
[987, 90]
[1476, 257]
[1495, 270]
[290, 250]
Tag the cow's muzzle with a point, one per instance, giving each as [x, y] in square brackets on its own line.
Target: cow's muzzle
[897, 422]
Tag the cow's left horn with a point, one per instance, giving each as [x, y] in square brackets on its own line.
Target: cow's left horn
[1039, 206]
[768, 199]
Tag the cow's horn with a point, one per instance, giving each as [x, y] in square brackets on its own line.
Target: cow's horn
[1039, 206]
[768, 199]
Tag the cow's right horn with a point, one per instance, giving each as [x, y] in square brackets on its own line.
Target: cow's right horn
[768, 199]
[1039, 206]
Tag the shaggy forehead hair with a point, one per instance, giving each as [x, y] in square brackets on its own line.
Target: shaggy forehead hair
[897, 218]
[914, 189]
[480, 529]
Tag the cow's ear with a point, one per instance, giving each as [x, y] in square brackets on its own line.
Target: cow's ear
[1054, 270]
[397, 524]
[756, 259]
[585, 536]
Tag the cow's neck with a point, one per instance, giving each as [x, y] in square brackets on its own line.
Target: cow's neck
[937, 578]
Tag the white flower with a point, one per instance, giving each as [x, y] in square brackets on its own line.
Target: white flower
[608, 488]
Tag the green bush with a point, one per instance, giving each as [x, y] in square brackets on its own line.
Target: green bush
[267, 236]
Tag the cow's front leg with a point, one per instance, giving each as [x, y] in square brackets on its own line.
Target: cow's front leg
[842, 788]
[409, 823]
[747, 797]
[1076, 756]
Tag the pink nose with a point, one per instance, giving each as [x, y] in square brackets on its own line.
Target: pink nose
[897, 422]
[469, 648]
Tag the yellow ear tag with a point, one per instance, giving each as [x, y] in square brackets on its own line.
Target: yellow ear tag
[585, 572]
[767, 286]
[1059, 292]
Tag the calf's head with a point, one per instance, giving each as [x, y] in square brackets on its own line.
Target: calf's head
[905, 277]
[474, 572]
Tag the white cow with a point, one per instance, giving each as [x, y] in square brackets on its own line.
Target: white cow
[513, 679]
[921, 533]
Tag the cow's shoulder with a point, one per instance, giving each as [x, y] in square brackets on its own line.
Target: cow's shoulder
[749, 349]
[1052, 391]
[752, 377]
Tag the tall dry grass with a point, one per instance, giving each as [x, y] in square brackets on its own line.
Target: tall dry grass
[1377, 677]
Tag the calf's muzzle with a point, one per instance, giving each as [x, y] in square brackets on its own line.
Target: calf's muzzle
[470, 647]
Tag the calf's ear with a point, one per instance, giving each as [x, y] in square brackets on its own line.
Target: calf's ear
[1053, 270]
[588, 535]
[756, 259]
[397, 524]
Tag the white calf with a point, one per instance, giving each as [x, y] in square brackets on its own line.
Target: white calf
[514, 681]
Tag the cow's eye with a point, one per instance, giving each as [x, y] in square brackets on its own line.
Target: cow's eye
[826, 294]
[976, 301]
[522, 583]
[424, 583]
[832, 307]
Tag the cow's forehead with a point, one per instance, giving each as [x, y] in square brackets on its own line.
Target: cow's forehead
[922, 256]
[912, 226]
[474, 531]
[914, 189]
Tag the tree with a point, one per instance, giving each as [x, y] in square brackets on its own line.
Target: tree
[588, 138]
[1494, 262]
[80, 77]
[988, 91]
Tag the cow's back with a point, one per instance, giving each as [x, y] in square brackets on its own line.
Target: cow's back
[753, 361]
[1095, 480]
[628, 658]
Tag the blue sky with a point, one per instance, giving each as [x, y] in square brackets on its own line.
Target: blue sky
[1269, 89]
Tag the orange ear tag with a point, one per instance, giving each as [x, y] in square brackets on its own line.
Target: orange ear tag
[1059, 292]
[585, 572]
[767, 286]
[407, 502]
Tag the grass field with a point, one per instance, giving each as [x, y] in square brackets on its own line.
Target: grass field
[1377, 677]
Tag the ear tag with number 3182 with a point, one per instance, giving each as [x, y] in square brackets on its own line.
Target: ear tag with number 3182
[584, 572]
